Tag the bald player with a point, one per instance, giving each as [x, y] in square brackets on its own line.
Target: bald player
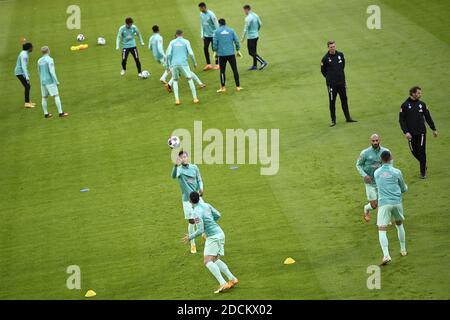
[368, 161]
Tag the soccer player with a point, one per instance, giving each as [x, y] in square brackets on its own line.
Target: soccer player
[178, 53]
[21, 72]
[251, 31]
[332, 68]
[155, 44]
[208, 25]
[390, 186]
[49, 82]
[205, 216]
[412, 117]
[369, 160]
[224, 42]
[127, 33]
[190, 180]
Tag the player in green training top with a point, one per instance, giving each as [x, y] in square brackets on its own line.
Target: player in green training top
[21, 72]
[251, 31]
[369, 160]
[189, 177]
[178, 53]
[205, 216]
[126, 33]
[208, 25]
[49, 82]
[155, 44]
[390, 186]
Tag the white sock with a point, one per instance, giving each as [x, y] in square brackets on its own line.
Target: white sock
[214, 269]
[368, 208]
[192, 86]
[175, 90]
[196, 78]
[401, 237]
[44, 105]
[224, 269]
[171, 82]
[384, 243]
[191, 230]
[58, 104]
[164, 76]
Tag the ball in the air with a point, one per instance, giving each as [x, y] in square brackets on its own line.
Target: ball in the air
[101, 41]
[80, 37]
[173, 142]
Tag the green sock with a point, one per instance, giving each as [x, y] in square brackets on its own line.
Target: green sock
[224, 269]
[58, 104]
[196, 78]
[214, 269]
[191, 230]
[175, 89]
[401, 237]
[192, 86]
[384, 242]
[44, 105]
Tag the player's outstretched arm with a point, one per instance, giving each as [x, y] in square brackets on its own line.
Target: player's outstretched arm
[141, 40]
[216, 214]
[359, 165]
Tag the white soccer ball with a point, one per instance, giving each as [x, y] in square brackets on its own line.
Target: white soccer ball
[101, 41]
[173, 142]
[145, 74]
[80, 37]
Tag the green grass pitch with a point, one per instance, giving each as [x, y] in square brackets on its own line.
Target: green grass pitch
[125, 233]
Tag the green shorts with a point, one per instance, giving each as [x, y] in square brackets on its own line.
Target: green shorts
[179, 71]
[388, 212]
[215, 245]
[49, 90]
[187, 209]
[371, 192]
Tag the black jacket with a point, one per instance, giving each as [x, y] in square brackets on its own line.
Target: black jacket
[412, 117]
[332, 68]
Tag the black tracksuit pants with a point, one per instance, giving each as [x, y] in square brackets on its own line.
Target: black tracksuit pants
[223, 65]
[206, 42]
[134, 53]
[252, 51]
[333, 92]
[417, 146]
[27, 87]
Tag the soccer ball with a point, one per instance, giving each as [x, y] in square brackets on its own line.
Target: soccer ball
[173, 142]
[80, 37]
[145, 74]
[101, 41]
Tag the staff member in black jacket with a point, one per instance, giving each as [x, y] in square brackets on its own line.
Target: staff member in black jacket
[412, 117]
[332, 67]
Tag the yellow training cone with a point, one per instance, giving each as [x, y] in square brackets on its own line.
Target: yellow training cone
[289, 261]
[90, 294]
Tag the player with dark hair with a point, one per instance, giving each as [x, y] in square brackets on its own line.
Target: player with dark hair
[208, 25]
[190, 180]
[412, 117]
[391, 185]
[21, 72]
[127, 33]
[205, 216]
[332, 68]
[224, 43]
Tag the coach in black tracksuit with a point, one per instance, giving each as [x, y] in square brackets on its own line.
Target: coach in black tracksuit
[412, 117]
[332, 67]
